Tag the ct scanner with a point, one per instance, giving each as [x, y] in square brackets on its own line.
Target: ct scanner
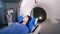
[51, 7]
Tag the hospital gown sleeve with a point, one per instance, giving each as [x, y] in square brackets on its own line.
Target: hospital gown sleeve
[15, 29]
[24, 29]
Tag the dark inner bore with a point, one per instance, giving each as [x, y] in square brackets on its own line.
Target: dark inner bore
[39, 13]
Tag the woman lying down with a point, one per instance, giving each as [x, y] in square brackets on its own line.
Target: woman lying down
[17, 28]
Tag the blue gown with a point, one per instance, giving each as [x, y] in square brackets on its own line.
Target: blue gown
[15, 29]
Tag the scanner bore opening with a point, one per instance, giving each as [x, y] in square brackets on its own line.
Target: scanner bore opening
[39, 13]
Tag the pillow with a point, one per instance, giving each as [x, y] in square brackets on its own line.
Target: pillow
[20, 19]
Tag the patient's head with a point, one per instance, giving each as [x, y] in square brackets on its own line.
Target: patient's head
[26, 19]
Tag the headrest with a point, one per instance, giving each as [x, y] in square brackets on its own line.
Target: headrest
[32, 22]
[20, 19]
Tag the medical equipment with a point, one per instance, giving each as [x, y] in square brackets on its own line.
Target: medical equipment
[33, 22]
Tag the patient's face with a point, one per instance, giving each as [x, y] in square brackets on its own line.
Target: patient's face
[25, 19]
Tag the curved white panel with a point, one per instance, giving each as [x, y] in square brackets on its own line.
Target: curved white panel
[50, 6]
[26, 7]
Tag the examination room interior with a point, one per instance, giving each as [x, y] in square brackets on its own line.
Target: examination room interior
[46, 12]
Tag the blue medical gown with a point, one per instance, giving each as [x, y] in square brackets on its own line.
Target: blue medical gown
[15, 29]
